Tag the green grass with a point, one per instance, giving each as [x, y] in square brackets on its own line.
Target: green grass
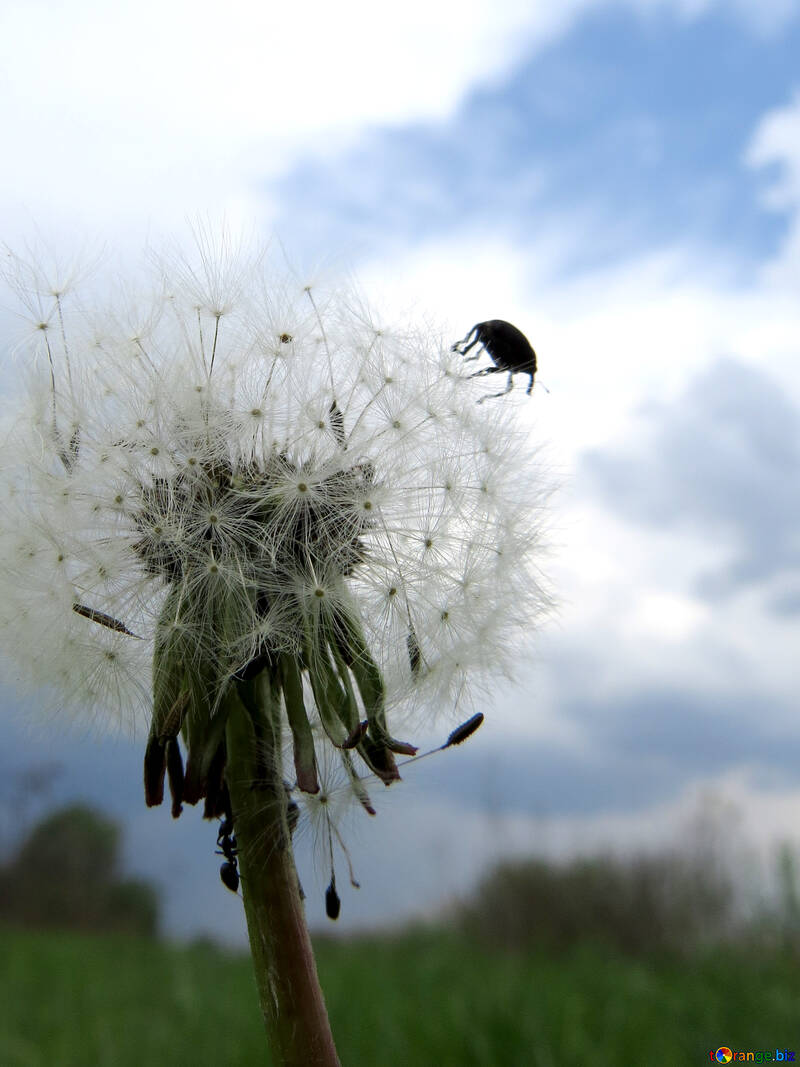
[424, 998]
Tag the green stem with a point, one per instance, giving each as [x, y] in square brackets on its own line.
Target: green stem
[286, 974]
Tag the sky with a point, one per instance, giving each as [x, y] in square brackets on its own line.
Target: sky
[622, 181]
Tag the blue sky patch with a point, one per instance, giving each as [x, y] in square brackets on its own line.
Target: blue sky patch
[634, 128]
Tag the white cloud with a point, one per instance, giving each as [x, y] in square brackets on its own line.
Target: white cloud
[776, 143]
[161, 106]
[124, 113]
[609, 341]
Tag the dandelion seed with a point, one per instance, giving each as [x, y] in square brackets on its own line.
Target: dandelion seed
[333, 904]
[103, 619]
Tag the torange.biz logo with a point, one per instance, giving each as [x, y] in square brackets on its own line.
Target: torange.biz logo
[729, 1055]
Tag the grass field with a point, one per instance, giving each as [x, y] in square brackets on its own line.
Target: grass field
[423, 998]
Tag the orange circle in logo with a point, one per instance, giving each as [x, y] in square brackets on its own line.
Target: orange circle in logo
[723, 1055]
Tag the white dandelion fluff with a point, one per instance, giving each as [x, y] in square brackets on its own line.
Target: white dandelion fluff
[248, 486]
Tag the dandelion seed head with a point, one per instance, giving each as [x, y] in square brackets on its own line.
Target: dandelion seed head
[237, 467]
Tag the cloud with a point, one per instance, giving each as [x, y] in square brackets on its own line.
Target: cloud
[627, 750]
[151, 109]
[724, 459]
[590, 133]
[774, 149]
[132, 114]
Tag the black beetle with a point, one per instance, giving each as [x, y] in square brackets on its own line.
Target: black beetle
[508, 347]
[229, 871]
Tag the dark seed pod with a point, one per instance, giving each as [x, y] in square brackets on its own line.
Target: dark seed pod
[465, 730]
[155, 767]
[337, 423]
[175, 776]
[332, 903]
[230, 876]
[102, 619]
[75, 444]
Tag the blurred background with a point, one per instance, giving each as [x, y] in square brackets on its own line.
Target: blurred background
[622, 181]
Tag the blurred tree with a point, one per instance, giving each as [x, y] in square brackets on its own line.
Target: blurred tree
[648, 903]
[65, 874]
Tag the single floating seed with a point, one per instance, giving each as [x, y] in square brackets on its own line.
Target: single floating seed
[414, 653]
[102, 619]
[337, 423]
[333, 904]
[465, 730]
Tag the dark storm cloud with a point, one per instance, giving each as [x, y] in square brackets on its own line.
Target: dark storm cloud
[104, 771]
[724, 461]
[636, 751]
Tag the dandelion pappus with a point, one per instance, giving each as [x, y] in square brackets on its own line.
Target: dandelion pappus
[340, 784]
[508, 348]
[331, 832]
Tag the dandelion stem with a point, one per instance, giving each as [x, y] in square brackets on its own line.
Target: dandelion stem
[286, 974]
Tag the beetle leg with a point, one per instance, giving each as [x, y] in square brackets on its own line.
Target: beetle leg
[457, 346]
[507, 389]
[487, 370]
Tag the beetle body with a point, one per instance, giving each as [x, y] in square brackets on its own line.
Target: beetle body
[509, 349]
[229, 871]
